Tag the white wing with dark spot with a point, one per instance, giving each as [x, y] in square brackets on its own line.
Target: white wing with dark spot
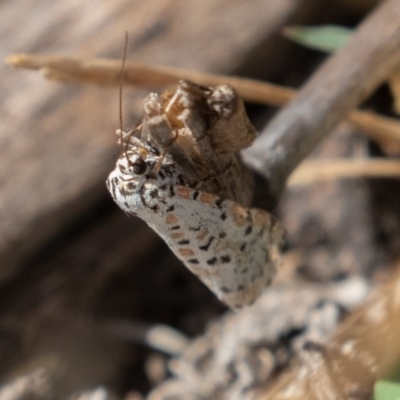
[232, 249]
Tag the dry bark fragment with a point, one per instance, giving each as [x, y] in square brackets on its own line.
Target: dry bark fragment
[202, 129]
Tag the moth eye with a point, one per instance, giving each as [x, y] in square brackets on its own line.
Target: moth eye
[139, 166]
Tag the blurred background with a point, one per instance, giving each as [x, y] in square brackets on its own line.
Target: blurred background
[80, 282]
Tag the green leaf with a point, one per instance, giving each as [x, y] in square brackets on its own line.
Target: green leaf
[328, 38]
[386, 390]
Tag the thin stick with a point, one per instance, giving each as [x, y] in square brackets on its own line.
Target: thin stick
[314, 171]
[104, 72]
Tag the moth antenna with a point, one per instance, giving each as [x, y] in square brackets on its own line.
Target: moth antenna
[121, 85]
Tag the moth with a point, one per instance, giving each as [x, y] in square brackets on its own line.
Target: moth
[232, 249]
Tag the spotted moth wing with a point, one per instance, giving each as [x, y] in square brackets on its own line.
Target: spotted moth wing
[232, 249]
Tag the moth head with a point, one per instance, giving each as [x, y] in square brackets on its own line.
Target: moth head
[133, 164]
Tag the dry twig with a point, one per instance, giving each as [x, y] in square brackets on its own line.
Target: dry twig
[106, 72]
[314, 171]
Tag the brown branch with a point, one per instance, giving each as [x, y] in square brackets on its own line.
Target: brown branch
[346, 79]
